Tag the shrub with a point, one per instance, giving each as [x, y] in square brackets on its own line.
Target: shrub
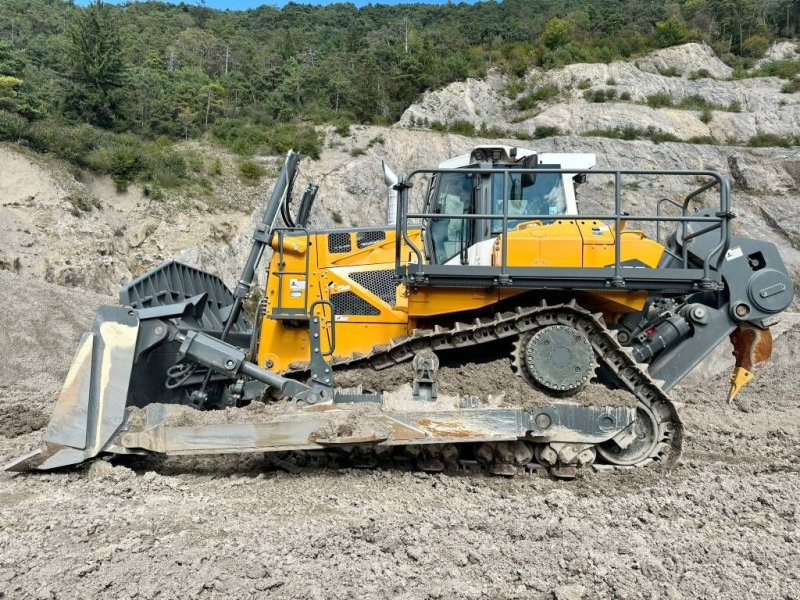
[791, 87]
[611, 81]
[706, 115]
[694, 102]
[700, 74]
[216, 168]
[546, 131]
[626, 96]
[12, 126]
[251, 171]
[357, 152]
[600, 95]
[670, 33]
[462, 127]
[659, 100]
[785, 69]
[127, 163]
[755, 46]
[540, 94]
[703, 139]
[246, 138]
[166, 166]
[585, 84]
[763, 140]
[336, 217]
[342, 128]
[73, 144]
[195, 162]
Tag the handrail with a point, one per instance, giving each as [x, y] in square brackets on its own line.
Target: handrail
[720, 219]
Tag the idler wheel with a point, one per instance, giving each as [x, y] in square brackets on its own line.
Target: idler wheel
[559, 359]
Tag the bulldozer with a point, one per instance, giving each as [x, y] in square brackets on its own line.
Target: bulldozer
[598, 317]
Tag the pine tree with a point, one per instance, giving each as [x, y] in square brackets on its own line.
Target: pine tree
[98, 67]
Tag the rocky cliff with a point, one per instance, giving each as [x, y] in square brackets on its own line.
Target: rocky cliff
[685, 91]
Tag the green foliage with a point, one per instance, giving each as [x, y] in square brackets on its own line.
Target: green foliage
[251, 171]
[354, 152]
[258, 81]
[763, 140]
[791, 87]
[700, 74]
[342, 128]
[98, 67]
[625, 96]
[557, 32]
[600, 95]
[785, 69]
[215, 170]
[659, 100]
[706, 115]
[336, 217]
[12, 126]
[542, 93]
[247, 138]
[755, 45]
[585, 84]
[670, 33]
[545, 131]
[633, 133]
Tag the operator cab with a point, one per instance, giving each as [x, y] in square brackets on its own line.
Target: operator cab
[478, 190]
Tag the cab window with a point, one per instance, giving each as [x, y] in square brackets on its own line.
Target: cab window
[452, 195]
[543, 195]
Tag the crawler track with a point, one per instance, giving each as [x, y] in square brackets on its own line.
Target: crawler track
[657, 414]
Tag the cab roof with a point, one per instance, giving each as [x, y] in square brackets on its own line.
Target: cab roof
[502, 153]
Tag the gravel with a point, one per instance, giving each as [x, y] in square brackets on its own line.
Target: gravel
[724, 523]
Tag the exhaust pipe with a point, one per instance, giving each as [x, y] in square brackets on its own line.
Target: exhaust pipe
[390, 178]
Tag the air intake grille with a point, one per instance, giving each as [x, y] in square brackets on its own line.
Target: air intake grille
[339, 243]
[368, 238]
[348, 303]
[380, 283]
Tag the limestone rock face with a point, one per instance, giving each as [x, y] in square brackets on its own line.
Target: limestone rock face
[779, 51]
[475, 101]
[684, 60]
[686, 78]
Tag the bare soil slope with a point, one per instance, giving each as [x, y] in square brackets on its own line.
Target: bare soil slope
[724, 524]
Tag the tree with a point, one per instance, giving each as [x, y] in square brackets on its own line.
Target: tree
[8, 92]
[98, 67]
[670, 33]
[215, 96]
[558, 32]
[186, 117]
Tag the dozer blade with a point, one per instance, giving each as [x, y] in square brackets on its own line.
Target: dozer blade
[91, 406]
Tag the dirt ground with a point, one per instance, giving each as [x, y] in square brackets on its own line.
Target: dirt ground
[725, 523]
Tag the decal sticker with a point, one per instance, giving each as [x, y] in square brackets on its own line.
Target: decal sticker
[734, 253]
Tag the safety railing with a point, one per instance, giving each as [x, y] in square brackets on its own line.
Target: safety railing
[420, 272]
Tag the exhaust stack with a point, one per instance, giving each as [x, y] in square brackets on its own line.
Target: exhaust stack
[390, 178]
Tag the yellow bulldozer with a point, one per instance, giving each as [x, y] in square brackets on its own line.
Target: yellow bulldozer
[491, 257]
